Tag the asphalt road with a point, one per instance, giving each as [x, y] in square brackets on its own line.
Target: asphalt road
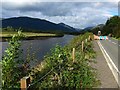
[112, 47]
[104, 73]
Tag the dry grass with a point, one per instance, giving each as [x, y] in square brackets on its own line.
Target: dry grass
[27, 34]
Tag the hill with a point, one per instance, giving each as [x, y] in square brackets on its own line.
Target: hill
[112, 26]
[37, 25]
[66, 26]
[97, 28]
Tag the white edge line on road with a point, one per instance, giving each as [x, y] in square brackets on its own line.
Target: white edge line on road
[114, 43]
[104, 52]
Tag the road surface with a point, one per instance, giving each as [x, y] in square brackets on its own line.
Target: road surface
[110, 49]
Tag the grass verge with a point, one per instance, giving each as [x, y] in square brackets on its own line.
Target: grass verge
[28, 34]
[116, 38]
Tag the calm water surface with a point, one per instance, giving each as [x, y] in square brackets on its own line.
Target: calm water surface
[39, 48]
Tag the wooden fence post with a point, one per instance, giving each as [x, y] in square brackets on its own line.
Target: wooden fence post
[86, 40]
[89, 38]
[82, 46]
[25, 81]
[73, 54]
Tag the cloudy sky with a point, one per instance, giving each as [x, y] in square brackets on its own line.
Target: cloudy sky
[78, 14]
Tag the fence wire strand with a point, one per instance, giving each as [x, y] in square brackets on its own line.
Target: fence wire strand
[42, 77]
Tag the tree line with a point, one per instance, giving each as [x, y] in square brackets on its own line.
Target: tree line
[111, 27]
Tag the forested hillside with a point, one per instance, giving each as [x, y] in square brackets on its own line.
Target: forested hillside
[112, 26]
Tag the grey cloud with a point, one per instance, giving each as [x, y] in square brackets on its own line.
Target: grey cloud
[47, 8]
[76, 14]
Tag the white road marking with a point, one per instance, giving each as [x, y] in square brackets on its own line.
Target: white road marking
[119, 45]
[110, 63]
[110, 40]
[114, 43]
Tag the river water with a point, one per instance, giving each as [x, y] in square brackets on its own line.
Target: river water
[38, 48]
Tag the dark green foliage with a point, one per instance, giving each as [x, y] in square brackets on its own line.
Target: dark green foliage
[13, 65]
[63, 71]
[10, 29]
[95, 30]
[112, 26]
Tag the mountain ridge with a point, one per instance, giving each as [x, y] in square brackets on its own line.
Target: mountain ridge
[37, 25]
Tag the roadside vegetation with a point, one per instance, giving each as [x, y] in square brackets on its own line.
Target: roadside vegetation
[13, 65]
[57, 70]
[116, 38]
[63, 71]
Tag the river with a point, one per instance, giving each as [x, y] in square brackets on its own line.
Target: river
[38, 48]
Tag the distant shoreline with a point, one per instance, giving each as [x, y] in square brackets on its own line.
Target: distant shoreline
[5, 36]
[4, 39]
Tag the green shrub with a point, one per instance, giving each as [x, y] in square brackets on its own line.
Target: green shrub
[62, 71]
[13, 65]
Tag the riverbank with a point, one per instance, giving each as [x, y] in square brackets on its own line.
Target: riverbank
[28, 35]
[65, 69]
[67, 66]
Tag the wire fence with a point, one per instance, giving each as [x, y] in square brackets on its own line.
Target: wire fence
[41, 77]
[73, 56]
